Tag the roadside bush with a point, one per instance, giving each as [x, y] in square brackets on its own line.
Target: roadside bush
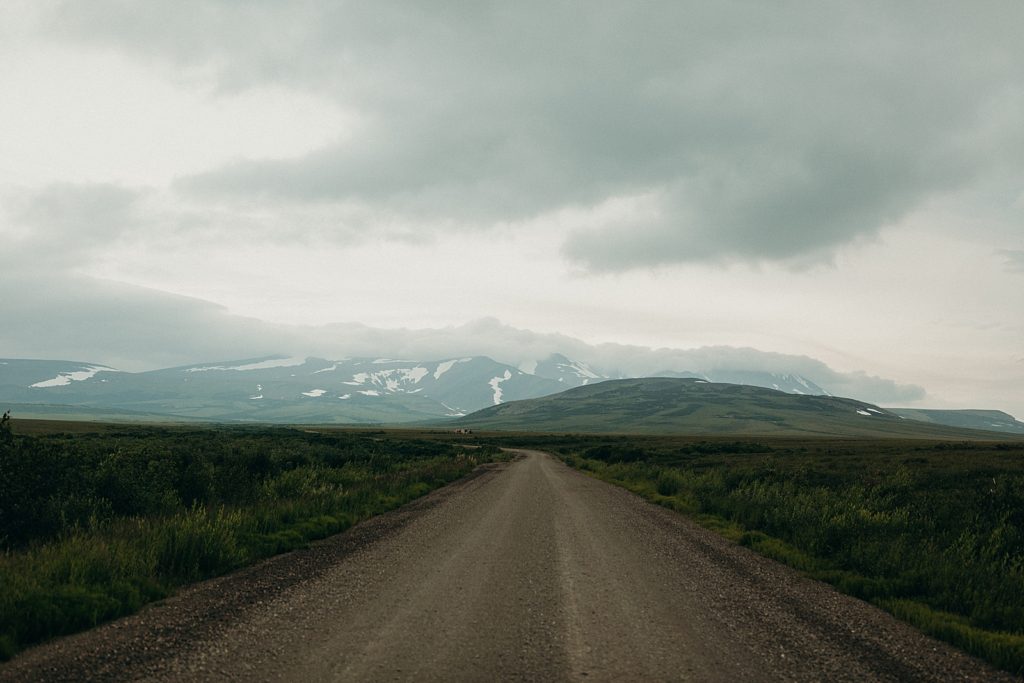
[93, 526]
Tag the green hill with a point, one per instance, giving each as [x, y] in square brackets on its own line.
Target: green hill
[663, 405]
[992, 420]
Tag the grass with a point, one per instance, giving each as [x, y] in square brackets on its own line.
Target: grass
[93, 525]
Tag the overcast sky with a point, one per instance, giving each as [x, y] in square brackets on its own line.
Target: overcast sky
[836, 184]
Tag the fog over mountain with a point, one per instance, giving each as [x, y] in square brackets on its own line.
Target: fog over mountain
[135, 329]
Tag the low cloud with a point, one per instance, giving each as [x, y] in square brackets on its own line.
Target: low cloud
[126, 327]
[760, 134]
[133, 328]
[511, 345]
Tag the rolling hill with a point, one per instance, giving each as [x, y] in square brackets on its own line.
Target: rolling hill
[992, 420]
[692, 406]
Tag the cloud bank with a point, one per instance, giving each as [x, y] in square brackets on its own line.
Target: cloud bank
[133, 328]
[741, 131]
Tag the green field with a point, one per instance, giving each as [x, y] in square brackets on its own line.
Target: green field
[930, 531]
[97, 520]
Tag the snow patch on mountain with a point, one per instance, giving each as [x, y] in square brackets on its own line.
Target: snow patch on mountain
[528, 366]
[496, 386]
[447, 365]
[258, 365]
[392, 381]
[416, 374]
[65, 378]
[453, 412]
[443, 368]
[579, 369]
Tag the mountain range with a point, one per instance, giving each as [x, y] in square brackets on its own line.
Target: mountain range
[348, 391]
[313, 390]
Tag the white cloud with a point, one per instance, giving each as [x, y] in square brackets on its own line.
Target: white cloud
[99, 116]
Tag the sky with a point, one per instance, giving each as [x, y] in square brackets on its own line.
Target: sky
[827, 187]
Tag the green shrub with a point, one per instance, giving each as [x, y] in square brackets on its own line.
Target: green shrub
[195, 544]
[93, 527]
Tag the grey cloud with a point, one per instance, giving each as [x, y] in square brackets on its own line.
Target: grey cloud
[62, 226]
[61, 223]
[765, 132]
[126, 327]
[133, 328]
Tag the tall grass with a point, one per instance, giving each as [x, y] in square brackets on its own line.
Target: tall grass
[92, 528]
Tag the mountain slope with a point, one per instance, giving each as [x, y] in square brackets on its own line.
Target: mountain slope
[277, 389]
[694, 406]
[994, 420]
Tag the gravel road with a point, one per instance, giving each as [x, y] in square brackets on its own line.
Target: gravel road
[529, 571]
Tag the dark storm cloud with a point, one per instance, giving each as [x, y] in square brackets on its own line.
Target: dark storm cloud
[756, 131]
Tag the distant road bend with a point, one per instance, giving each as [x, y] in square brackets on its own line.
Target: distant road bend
[527, 571]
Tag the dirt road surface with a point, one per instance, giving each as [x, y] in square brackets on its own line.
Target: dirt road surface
[527, 571]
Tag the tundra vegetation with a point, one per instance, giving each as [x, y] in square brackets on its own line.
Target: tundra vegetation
[97, 523]
[933, 532]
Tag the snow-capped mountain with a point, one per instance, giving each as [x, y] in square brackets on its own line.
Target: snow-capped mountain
[568, 373]
[358, 390]
[303, 389]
